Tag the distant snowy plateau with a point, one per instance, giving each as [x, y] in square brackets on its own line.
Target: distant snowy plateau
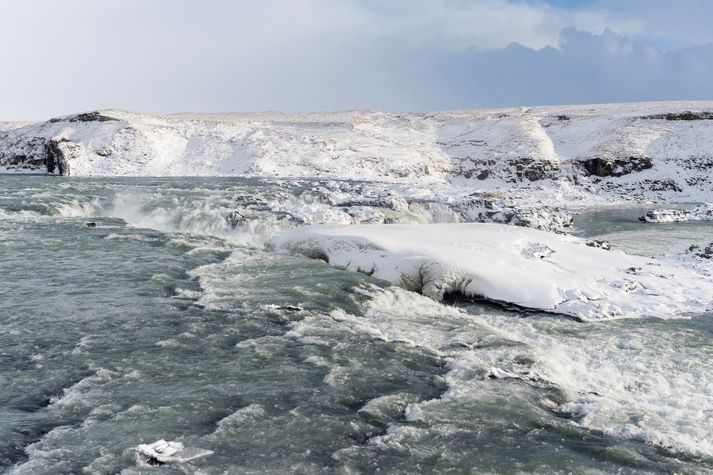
[532, 167]
[649, 150]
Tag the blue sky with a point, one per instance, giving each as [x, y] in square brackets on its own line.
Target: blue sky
[64, 56]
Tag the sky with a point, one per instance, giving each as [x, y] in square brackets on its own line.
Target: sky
[65, 56]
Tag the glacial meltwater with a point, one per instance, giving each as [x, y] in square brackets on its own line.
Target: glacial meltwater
[135, 310]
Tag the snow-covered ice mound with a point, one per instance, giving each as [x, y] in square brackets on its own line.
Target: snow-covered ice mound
[526, 267]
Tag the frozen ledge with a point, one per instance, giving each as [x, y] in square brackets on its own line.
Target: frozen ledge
[521, 266]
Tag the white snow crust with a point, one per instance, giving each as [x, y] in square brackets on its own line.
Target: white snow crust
[526, 267]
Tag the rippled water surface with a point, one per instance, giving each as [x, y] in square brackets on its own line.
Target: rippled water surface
[166, 322]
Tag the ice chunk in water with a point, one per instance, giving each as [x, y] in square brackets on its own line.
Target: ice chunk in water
[161, 452]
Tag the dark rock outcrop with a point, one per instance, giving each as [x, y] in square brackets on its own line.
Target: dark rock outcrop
[606, 167]
[534, 170]
[512, 171]
[94, 116]
[22, 153]
[686, 115]
[58, 153]
[661, 185]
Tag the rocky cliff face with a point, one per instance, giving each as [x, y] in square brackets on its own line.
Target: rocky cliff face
[59, 154]
[54, 146]
[659, 151]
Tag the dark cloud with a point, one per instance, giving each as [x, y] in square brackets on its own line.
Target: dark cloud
[586, 68]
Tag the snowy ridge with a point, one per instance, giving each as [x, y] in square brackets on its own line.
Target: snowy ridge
[648, 151]
[526, 267]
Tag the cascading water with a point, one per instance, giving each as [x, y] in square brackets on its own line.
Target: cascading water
[169, 321]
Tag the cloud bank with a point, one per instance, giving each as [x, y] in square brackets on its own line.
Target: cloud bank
[401, 55]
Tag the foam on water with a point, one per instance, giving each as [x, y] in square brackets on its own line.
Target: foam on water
[648, 381]
[169, 214]
[77, 209]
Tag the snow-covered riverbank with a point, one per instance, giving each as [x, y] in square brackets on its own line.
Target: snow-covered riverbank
[557, 154]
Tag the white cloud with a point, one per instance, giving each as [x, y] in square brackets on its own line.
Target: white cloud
[220, 55]
[669, 24]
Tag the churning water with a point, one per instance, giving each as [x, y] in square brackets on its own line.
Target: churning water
[165, 321]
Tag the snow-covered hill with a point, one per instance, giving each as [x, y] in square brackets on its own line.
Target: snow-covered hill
[655, 151]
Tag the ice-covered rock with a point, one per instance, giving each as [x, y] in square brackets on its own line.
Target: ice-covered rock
[163, 452]
[492, 209]
[704, 251]
[599, 244]
[234, 218]
[347, 202]
[665, 216]
[526, 267]
[702, 212]
[699, 213]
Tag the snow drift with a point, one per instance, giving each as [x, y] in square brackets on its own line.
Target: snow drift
[526, 267]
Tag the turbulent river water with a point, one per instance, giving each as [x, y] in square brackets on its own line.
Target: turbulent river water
[165, 321]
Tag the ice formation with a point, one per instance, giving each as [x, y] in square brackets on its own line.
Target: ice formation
[515, 265]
